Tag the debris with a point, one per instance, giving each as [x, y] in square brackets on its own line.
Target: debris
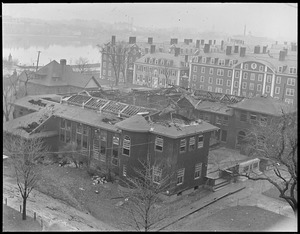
[126, 199]
[99, 180]
[120, 203]
[96, 191]
[94, 183]
[81, 189]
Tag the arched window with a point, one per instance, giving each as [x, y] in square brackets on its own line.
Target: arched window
[126, 145]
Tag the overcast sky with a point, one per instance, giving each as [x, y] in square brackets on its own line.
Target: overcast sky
[262, 19]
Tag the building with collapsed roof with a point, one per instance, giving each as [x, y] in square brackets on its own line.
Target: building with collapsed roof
[115, 135]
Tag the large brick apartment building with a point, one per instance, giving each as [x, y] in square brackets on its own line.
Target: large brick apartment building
[244, 73]
[114, 135]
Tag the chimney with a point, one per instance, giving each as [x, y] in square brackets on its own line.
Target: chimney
[206, 48]
[152, 49]
[177, 51]
[186, 41]
[210, 42]
[173, 41]
[285, 51]
[191, 40]
[264, 49]
[202, 42]
[198, 44]
[242, 51]
[236, 49]
[228, 50]
[150, 40]
[281, 55]
[186, 58]
[257, 49]
[63, 62]
[132, 40]
[214, 42]
[222, 45]
[113, 40]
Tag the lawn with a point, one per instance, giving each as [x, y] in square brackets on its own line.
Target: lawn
[238, 218]
[273, 192]
[12, 221]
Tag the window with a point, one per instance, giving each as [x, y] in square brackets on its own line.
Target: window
[289, 92]
[244, 85]
[291, 81]
[243, 117]
[229, 73]
[109, 73]
[253, 66]
[182, 145]
[211, 71]
[228, 83]
[204, 60]
[218, 90]
[159, 143]
[156, 61]
[115, 151]
[180, 176]
[201, 87]
[252, 76]
[268, 88]
[246, 66]
[237, 74]
[195, 68]
[251, 86]
[109, 65]
[244, 94]
[230, 62]
[104, 72]
[220, 72]
[293, 70]
[156, 174]
[258, 87]
[221, 62]
[289, 101]
[219, 81]
[260, 77]
[62, 123]
[124, 170]
[212, 61]
[200, 141]
[202, 79]
[278, 79]
[250, 95]
[261, 68]
[235, 92]
[280, 69]
[202, 69]
[104, 64]
[207, 117]
[245, 75]
[277, 90]
[236, 84]
[218, 120]
[253, 118]
[103, 145]
[255, 165]
[209, 88]
[263, 120]
[194, 77]
[225, 120]
[223, 135]
[126, 145]
[192, 144]
[269, 78]
[210, 80]
[198, 169]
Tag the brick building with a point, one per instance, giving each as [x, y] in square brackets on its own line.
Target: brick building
[113, 136]
[241, 73]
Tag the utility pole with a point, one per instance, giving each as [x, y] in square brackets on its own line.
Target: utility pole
[37, 64]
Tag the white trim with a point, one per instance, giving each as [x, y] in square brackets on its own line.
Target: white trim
[264, 80]
[232, 81]
[272, 85]
[240, 80]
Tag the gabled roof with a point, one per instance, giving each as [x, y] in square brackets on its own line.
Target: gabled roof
[55, 74]
[265, 105]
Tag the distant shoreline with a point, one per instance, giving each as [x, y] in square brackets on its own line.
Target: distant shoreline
[39, 35]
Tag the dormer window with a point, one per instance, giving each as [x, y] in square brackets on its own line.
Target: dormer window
[162, 62]
[221, 62]
[196, 59]
[204, 60]
[168, 63]
[280, 69]
[212, 61]
[150, 60]
[156, 61]
[293, 70]
[230, 62]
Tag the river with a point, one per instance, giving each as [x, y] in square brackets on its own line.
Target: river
[25, 49]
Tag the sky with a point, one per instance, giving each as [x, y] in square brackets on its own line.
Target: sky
[274, 20]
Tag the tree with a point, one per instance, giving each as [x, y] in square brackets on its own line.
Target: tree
[141, 206]
[82, 64]
[25, 155]
[117, 56]
[71, 151]
[277, 142]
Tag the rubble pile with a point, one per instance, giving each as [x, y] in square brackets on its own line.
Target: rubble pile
[99, 180]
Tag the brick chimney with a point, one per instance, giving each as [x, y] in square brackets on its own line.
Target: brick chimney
[63, 62]
[281, 55]
[264, 49]
[210, 42]
[202, 42]
[256, 49]
[132, 40]
[222, 45]
[198, 44]
[242, 51]
[186, 41]
[206, 48]
[113, 40]
[173, 41]
[228, 50]
[150, 40]
[152, 49]
[214, 42]
[177, 52]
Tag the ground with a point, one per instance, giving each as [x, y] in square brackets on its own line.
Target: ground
[68, 187]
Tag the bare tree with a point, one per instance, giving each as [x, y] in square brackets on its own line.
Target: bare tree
[28, 75]
[277, 143]
[82, 64]
[72, 152]
[117, 55]
[143, 214]
[25, 155]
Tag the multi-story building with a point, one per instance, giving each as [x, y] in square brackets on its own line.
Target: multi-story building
[157, 69]
[115, 136]
[234, 115]
[236, 72]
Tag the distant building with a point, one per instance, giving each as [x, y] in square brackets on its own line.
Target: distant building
[114, 135]
[56, 78]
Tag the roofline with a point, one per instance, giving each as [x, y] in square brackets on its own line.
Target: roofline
[239, 108]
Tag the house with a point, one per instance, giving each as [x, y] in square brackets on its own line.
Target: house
[114, 135]
[235, 72]
[56, 78]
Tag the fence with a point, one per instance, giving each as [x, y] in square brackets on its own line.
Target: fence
[35, 217]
